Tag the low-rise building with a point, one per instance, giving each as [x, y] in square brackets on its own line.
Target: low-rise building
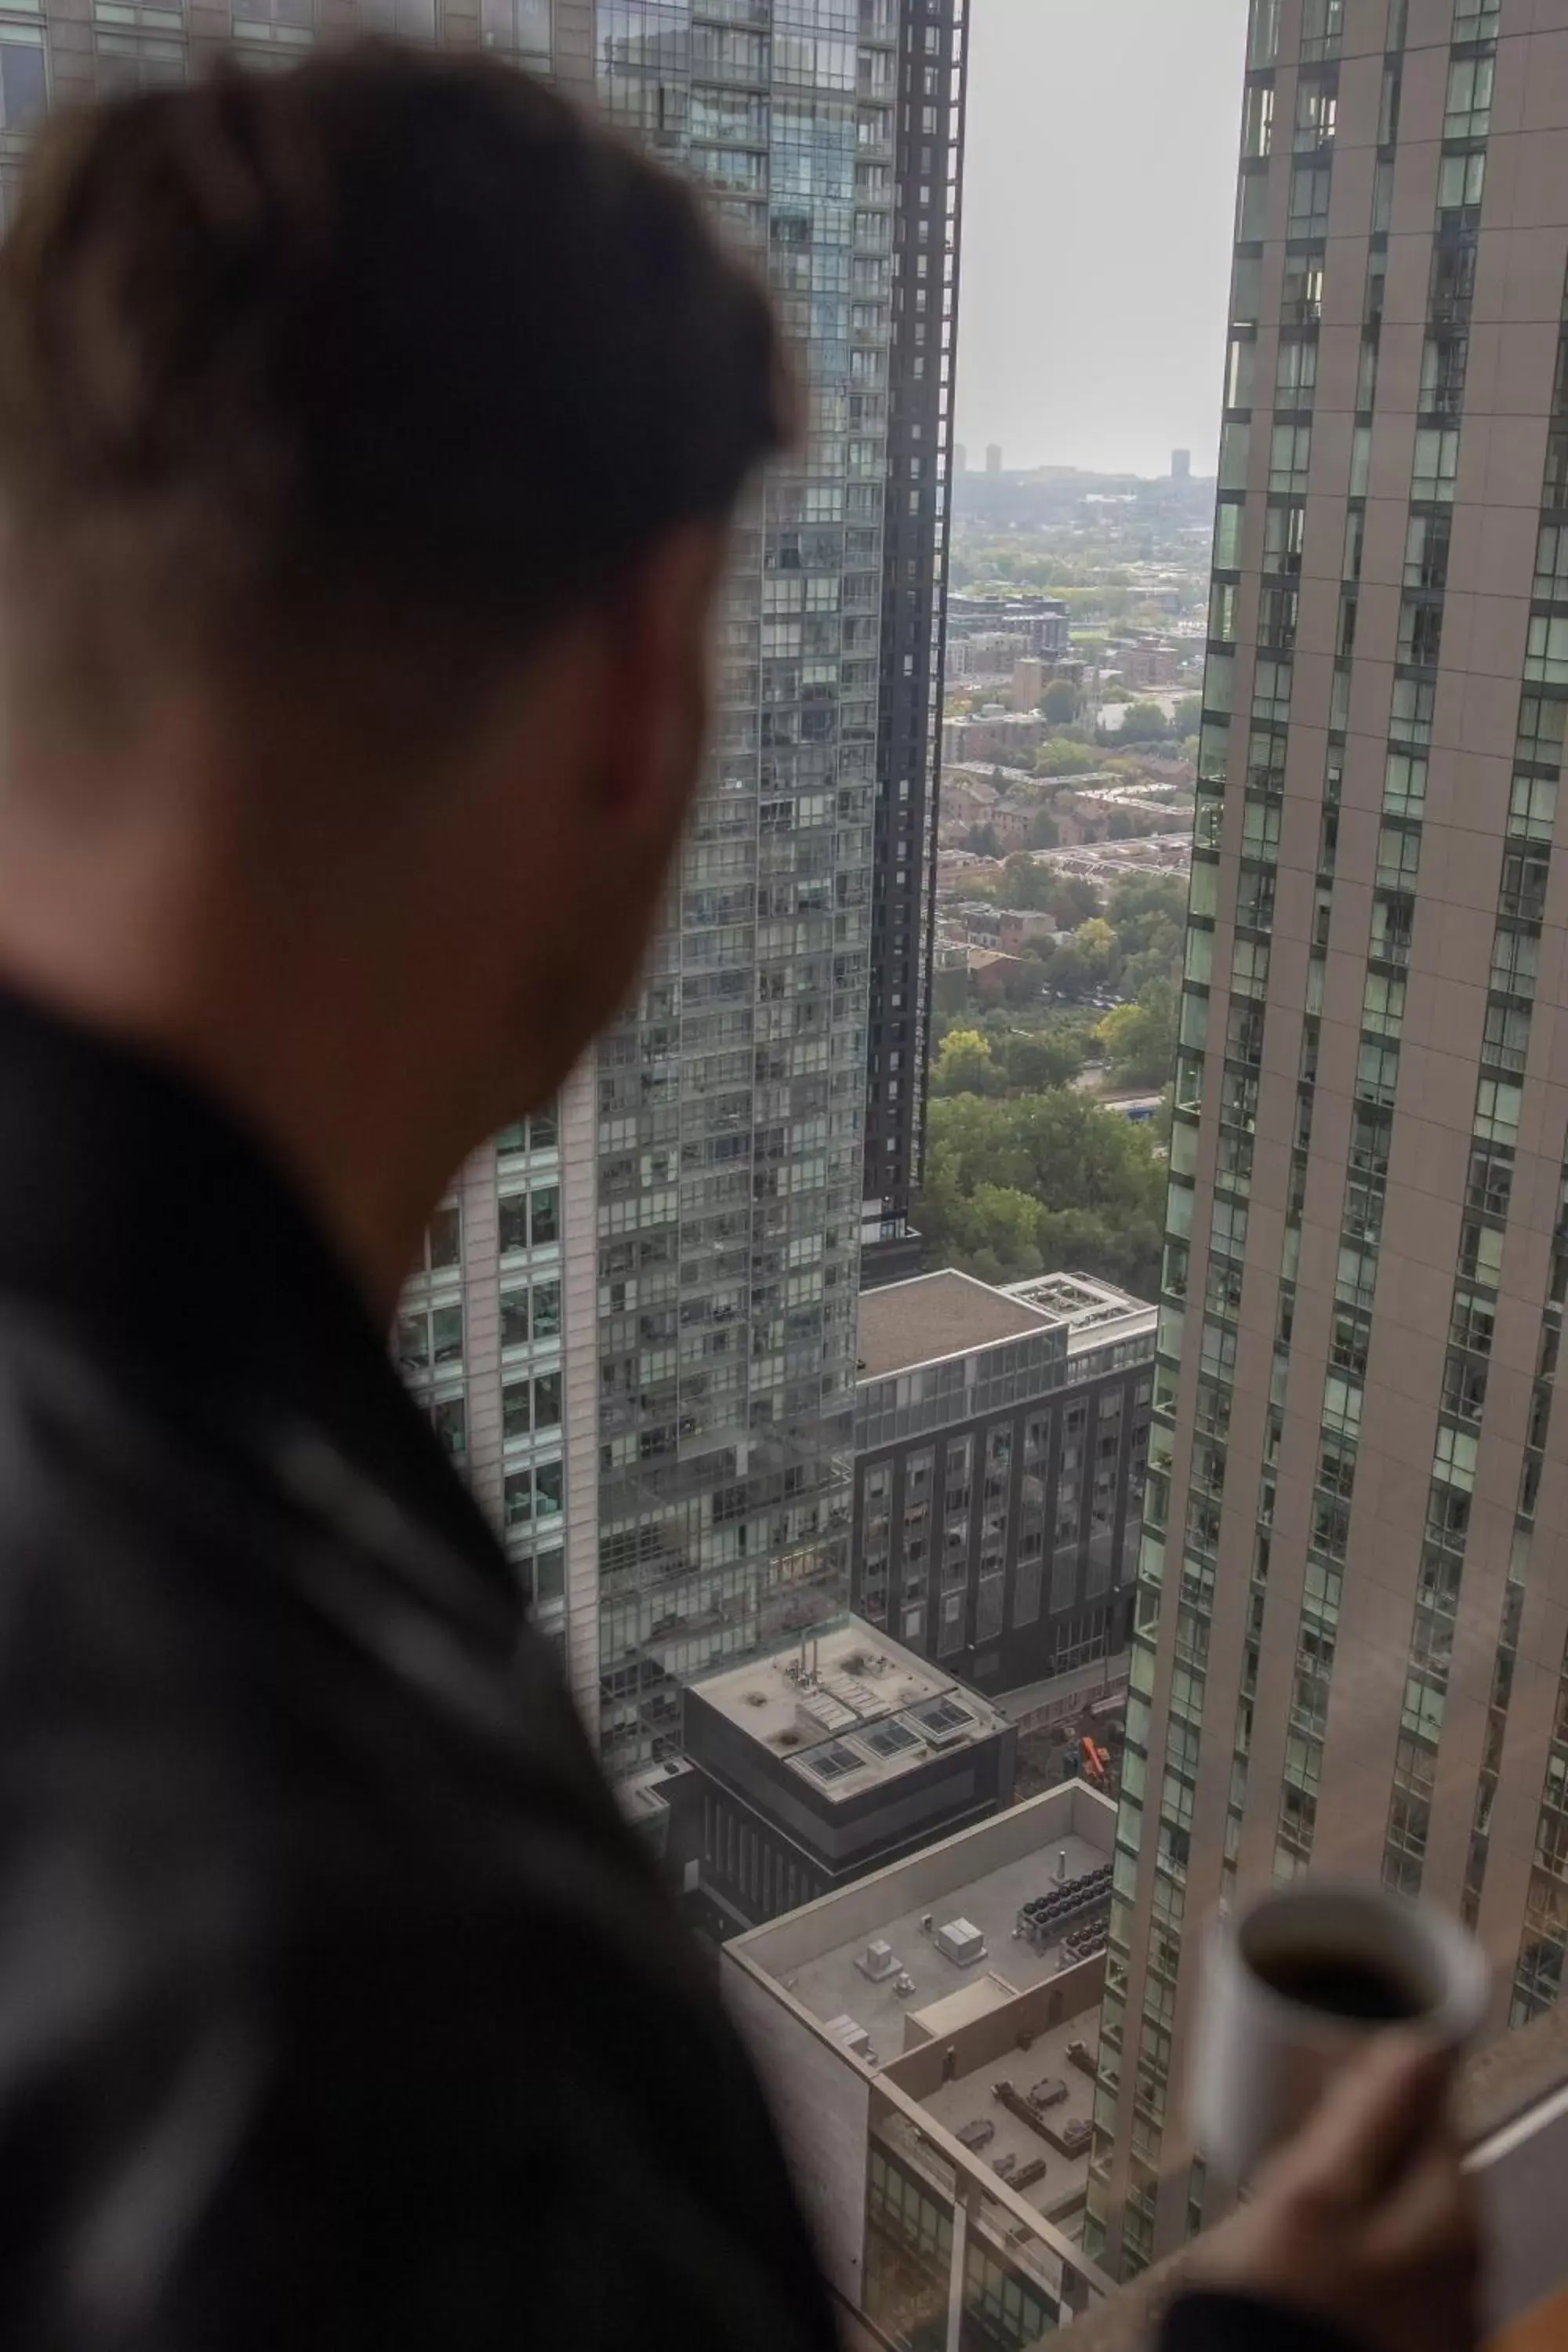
[814, 1764]
[1002, 735]
[1152, 665]
[1043, 622]
[1011, 824]
[929, 2038]
[986, 653]
[967, 800]
[1001, 1440]
[994, 975]
[1018, 928]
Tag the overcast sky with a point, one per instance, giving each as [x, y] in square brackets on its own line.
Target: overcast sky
[1099, 188]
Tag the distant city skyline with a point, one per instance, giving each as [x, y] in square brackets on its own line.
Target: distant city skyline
[1095, 193]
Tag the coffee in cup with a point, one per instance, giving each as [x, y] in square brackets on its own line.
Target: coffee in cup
[1296, 1985]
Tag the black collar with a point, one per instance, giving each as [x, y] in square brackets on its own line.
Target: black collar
[136, 1209]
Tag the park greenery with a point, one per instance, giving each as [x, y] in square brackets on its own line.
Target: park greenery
[1026, 1171]
[1035, 1182]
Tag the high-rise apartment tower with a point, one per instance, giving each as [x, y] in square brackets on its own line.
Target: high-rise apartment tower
[634, 1321]
[1353, 1590]
[928, 146]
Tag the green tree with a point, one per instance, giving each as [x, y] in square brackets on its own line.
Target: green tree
[1026, 884]
[1074, 900]
[983, 841]
[1145, 722]
[1063, 757]
[1187, 716]
[1045, 833]
[963, 1064]
[1090, 1178]
[1060, 703]
[1033, 1062]
[1097, 949]
[1149, 914]
[1140, 1038]
[1003, 1225]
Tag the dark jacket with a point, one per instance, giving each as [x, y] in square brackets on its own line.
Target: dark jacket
[337, 2006]
[1244, 2322]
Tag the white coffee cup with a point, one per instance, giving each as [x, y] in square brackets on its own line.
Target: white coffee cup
[1290, 1990]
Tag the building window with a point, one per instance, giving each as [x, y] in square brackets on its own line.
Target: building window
[1437, 464]
[540, 1131]
[449, 1419]
[531, 1494]
[427, 1337]
[529, 1220]
[404, 20]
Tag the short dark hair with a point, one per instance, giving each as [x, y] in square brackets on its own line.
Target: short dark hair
[399, 334]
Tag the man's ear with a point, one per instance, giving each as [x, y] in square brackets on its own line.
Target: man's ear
[659, 653]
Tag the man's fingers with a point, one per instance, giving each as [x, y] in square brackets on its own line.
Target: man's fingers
[1429, 2216]
[1372, 2117]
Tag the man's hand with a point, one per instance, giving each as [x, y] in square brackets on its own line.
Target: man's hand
[1366, 2219]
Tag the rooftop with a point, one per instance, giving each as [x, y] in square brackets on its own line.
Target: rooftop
[969, 2056]
[981, 1875]
[937, 1314]
[834, 1985]
[848, 1709]
[1095, 1312]
[1015, 2148]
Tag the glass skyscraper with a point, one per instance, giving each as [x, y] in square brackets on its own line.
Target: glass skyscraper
[1349, 1649]
[634, 1323]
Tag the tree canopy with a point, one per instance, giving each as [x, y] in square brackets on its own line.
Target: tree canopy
[1144, 722]
[1041, 1183]
[999, 1062]
[1140, 1038]
[1062, 756]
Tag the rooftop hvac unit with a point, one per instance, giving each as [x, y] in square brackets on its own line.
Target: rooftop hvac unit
[850, 2036]
[878, 1961]
[962, 1941]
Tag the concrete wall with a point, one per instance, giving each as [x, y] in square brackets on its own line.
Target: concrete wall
[822, 2104]
[1073, 1993]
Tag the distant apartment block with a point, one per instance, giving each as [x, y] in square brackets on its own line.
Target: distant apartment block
[1007, 737]
[993, 458]
[1001, 1440]
[1152, 666]
[1043, 622]
[992, 654]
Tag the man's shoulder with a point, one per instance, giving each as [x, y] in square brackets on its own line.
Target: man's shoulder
[223, 1588]
[271, 1806]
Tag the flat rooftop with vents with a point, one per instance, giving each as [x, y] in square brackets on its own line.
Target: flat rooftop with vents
[824, 1761]
[912, 2019]
[820, 1954]
[946, 1348]
[848, 1709]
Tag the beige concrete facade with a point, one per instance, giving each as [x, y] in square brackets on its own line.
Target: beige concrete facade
[1353, 1592]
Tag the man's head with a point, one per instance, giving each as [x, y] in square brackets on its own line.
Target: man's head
[368, 440]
